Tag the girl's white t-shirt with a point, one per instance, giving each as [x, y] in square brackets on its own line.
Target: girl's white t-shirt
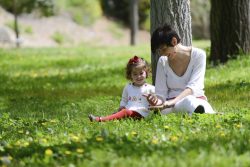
[133, 99]
[169, 85]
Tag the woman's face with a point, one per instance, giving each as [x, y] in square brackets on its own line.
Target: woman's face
[168, 51]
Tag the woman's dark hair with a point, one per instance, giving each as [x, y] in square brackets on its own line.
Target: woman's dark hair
[163, 36]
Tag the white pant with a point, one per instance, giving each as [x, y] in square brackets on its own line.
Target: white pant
[188, 104]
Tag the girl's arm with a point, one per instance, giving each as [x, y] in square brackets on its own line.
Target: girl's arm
[124, 100]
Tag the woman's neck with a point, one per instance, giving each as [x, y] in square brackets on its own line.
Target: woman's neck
[183, 50]
[183, 53]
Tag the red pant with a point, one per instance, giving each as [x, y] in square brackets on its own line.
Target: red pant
[124, 113]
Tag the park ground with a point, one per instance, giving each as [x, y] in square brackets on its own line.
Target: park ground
[61, 30]
[46, 95]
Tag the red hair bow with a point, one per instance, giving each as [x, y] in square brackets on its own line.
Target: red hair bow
[134, 60]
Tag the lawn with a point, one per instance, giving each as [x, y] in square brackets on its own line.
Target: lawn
[46, 95]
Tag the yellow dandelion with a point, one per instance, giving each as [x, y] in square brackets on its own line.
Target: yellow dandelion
[34, 75]
[133, 133]
[20, 131]
[25, 144]
[17, 74]
[48, 152]
[18, 143]
[193, 132]
[173, 138]
[67, 152]
[218, 126]
[238, 125]
[10, 158]
[154, 141]
[44, 141]
[53, 121]
[75, 138]
[99, 138]
[80, 150]
[166, 127]
[222, 134]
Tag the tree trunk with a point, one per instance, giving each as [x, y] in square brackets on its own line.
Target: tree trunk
[230, 29]
[134, 21]
[175, 13]
[16, 23]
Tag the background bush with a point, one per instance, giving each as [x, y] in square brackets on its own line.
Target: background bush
[83, 12]
[119, 9]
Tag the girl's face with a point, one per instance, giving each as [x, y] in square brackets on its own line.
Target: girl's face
[168, 51]
[138, 76]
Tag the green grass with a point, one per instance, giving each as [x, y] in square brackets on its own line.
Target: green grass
[46, 95]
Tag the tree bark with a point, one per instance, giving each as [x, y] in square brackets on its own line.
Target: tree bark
[134, 21]
[16, 23]
[230, 29]
[175, 13]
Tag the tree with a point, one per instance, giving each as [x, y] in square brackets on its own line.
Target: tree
[230, 29]
[175, 13]
[18, 7]
[134, 21]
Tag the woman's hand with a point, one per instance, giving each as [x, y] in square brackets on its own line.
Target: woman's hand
[152, 99]
[166, 104]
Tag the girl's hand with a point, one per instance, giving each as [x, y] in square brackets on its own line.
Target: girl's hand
[152, 99]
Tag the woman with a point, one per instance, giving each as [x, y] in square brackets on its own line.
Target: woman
[180, 75]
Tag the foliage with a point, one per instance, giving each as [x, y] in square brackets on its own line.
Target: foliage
[120, 10]
[26, 6]
[22, 28]
[46, 95]
[83, 12]
[58, 37]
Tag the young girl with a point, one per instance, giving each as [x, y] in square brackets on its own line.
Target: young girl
[133, 103]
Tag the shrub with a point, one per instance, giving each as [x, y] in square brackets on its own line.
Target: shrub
[58, 37]
[85, 12]
[120, 10]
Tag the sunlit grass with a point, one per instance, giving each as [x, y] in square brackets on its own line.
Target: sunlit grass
[46, 95]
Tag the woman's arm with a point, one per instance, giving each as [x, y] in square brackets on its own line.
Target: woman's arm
[184, 93]
[161, 88]
[196, 82]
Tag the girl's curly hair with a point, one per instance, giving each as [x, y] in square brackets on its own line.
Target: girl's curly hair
[137, 62]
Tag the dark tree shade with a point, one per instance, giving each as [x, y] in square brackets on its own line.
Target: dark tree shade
[230, 29]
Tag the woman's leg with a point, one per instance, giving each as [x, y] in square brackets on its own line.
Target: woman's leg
[208, 108]
[192, 104]
[124, 113]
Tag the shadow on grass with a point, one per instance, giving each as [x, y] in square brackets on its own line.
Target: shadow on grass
[25, 94]
[230, 94]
